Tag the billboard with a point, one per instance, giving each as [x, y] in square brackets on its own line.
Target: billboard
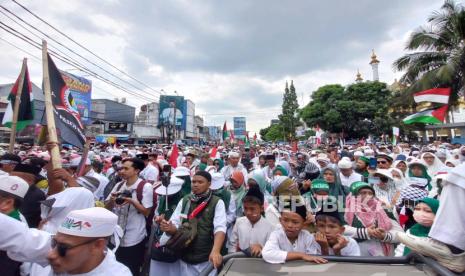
[172, 111]
[81, 90]
[239, 127]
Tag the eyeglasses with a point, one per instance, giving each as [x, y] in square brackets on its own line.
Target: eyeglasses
[382, 162]
[63, 248]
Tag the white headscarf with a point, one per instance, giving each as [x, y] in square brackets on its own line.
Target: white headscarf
[437, 166]
[400, 183]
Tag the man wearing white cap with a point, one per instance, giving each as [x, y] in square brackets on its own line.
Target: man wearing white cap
[346, 172]
[233, 165]
[79, 247]
[12, 191]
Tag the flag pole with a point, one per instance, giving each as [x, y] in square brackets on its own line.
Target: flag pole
[19, 90]
[52, 132]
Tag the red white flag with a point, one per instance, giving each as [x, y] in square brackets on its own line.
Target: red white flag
[174, 156]
[435, 95]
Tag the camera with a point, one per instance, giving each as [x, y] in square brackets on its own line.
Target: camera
[121, 196]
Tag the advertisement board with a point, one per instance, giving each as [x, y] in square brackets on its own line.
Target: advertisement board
[172, 111]
[81, 90]
[239, 127]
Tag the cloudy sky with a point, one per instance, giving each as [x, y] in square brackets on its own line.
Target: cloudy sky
[231, 58]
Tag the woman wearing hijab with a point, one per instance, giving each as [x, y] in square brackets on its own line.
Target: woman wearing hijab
[423, 215]
[402, 166]
[372, 226]
[256, 178]
[399, 178]
[385, 188]
[283, 188]
[238, 191]
[433, 163]
[218, 163]
[336, 189]
[418, 174]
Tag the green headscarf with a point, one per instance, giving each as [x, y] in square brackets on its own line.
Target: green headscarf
[336, 189]
[221, 163]
[264, 186]
[239, 195]
[419, 230]
[424, 175]
[202, 167]
[281, 169]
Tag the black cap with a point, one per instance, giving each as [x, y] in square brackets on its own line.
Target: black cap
[254, 191]
[11, 157]
[270, 157]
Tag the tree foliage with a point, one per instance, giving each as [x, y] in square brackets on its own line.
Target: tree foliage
[290, 106]
[356, 111]
[436, 55]
[272, 133]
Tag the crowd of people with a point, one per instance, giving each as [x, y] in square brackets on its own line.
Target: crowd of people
[133, 210]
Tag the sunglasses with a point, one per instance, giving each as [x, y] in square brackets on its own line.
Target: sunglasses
[382, 162]
[63, 248]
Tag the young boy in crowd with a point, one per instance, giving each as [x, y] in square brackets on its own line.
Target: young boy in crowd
[252, 231]
[330, 236]
[292, 242]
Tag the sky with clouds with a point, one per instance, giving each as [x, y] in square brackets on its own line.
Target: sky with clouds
[232, 58]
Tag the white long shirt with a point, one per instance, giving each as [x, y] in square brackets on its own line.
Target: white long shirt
[278, 245]
[149, 173]
[245, 233]
[103, 181]
[348, 180]
[31, 245]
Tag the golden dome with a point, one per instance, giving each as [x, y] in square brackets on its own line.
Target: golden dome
[374, 59]
[359, 76]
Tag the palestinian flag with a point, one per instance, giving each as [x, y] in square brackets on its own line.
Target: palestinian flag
[430, 116]
[247, 140]
[255, 139]
[225, 132]
[26, 106]
[435, 95]
[231, 136]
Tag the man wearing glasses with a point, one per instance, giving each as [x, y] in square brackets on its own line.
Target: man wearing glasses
[384, 161]
[79, 247]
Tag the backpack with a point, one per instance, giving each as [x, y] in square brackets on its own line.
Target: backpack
[139, 191]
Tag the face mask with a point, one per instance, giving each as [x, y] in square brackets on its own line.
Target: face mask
[424, 218]
[374, 180]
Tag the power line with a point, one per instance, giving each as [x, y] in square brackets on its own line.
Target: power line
[69, 62]
[83, 47]
[67, 48]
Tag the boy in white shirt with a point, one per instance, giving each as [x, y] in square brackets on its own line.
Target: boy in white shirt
[253, 230]
[291, 242]
[330, 236]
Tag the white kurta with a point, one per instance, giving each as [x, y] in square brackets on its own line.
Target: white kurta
[351, 249]
[245, 234]
[31, 245]
[348, 180]
[278, 245]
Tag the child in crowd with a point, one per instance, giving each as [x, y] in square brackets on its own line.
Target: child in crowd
[330, 236]
[291, 242]
[252, 231]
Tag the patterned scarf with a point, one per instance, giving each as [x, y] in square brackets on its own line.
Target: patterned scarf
[201, 197]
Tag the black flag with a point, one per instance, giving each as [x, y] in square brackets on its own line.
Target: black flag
[67, 118]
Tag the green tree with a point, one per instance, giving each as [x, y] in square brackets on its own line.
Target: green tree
[273, 133]
[290, 106]
[436, 55]
[358, 110]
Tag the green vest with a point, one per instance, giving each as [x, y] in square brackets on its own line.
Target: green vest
[202, 245]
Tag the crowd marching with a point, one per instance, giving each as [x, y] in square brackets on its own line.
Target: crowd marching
[164, 210]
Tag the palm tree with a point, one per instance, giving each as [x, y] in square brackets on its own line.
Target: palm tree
[437, 57]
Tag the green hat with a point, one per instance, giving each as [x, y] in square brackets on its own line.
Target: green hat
[365, 159]
[432, 203]
[356, 186]
[320, 185]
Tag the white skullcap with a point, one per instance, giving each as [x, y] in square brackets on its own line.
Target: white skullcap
[358, 153]
[95, 222]
[217, 181]
[344, 164]
[233, 154]
[13, 185]
[75, 161]
[174, 186]
[369, 152]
